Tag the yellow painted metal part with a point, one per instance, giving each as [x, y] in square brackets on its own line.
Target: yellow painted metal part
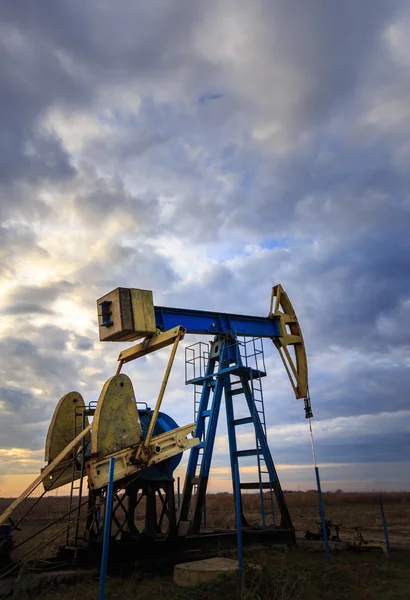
[142, 303]
[120, 310]
[116, 423]
[60, 434]
[117, 429]
[61, 475]
[180, 334]
[131, 313]
[291, 336]
[61, 429]
[151, 344]
[132, 461]
[46, 472]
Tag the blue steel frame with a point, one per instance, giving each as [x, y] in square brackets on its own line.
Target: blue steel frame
[107, 529]
[238, 511]
[322, 515]
[206, 444]
[218, 381]
[203, 322]
[386, 533]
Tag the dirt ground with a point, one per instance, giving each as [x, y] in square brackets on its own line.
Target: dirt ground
[349, 510]
[291, 575]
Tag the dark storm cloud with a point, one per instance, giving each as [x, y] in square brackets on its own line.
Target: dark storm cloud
[322, 191]
[60, 55]
[284, 156]
[32, 78]
[36, 356]
[15, 399]
[25, 299]
[365, 449]
[119, 265]
[16, 241]
[351, 302]
[364, 282]
[101, 200]
[37, 368]
[83, 343]
[351, 190]
[94, 41]
[350, 292]
[380, 448]
[39, 356]
[360, 389]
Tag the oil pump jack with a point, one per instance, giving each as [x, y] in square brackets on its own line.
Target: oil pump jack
[147, 444]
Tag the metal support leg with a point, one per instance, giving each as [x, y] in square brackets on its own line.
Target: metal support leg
[195, 452]
[322, 515]
[206, 458]
[238, 511]
[386, 533]
[232, 451]
[285, 521]
[107, 530]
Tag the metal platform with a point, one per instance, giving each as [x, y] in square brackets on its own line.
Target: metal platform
[170, 551]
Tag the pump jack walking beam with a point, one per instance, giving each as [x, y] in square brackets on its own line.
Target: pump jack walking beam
[290, 336]
[129, 314]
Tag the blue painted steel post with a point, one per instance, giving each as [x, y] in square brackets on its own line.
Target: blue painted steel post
[107, 529]
[386, 533]
[285, 520]
[205, 512]
[238, 521]
[178, 493]
[322, 515]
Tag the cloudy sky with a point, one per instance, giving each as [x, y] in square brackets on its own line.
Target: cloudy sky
[206, 151]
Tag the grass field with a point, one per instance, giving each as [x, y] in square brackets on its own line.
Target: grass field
[294, 574]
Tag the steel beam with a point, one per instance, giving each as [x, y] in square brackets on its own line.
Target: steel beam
[209, 322]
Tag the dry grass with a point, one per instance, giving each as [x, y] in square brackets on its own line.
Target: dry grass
[293, 576]
[55, 506]
[349, 509]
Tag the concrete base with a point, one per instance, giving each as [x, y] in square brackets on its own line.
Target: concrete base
[187, 574]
